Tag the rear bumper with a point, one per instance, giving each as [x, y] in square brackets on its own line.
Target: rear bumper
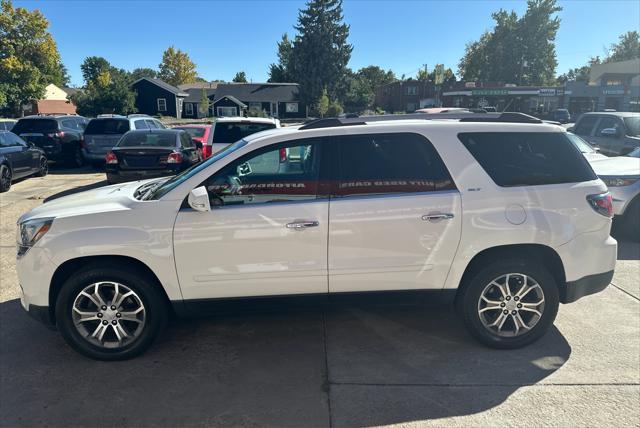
[93, 157]
[119, 176]
[585, 286]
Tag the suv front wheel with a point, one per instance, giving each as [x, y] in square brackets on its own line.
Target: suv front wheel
[510, 304]
[109, 313]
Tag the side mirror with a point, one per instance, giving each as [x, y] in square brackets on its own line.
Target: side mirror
[199, 199]
[609, 132]
[596, 149]
[198, 144]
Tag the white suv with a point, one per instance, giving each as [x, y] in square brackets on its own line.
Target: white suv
[497, 213]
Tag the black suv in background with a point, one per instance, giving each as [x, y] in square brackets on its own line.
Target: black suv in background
[61, 137]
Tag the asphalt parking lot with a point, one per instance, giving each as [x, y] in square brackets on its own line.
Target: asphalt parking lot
[345, 366]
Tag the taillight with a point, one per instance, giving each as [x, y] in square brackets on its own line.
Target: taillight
[174, 157]
[82, 143]
[206, 151]
[111, 158]
[57, 134]
[601, 203]
[283, 155]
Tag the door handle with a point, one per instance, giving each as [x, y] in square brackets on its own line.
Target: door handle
[302, 224]
[437, 217]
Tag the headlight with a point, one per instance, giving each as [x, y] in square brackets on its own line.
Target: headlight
[30, 232]
[619, 181]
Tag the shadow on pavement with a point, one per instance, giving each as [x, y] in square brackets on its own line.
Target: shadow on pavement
[76, 190]
[273, 369]
[62, 169]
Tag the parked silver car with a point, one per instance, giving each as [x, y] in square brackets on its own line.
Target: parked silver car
[103, 132]
[614, 133]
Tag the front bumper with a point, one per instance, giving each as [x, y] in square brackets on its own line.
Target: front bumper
[585, 286]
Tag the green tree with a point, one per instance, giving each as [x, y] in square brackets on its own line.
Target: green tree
[280, 72]
[107, 89]
[176, 67]
[578, 74]
[335, 109]
[362, 86]
[139, 73]
[203, 107]
[320, 52]
[322, 104]
[240, 77]
[518, 49]
[628, 47]
[29, 58]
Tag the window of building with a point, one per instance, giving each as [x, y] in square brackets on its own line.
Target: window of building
[287, 172]
[613, 82]
[188, 108]
[390, 163]
[291, 107]
[412, 90]
[162, 104]
[527, 158]
[227, 111]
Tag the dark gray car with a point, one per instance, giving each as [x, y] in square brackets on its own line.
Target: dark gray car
[615, 133]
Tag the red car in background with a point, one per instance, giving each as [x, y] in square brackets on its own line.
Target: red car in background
[201, 134]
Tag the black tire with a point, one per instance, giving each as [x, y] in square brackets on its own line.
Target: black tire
[44, 168]
[155, 306]
[5, 178]
[475, 286]
[75, 157]
[630, 222]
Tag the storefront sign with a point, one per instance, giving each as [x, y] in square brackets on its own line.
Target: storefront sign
[489, 92]
[616, 91]
[547, 92]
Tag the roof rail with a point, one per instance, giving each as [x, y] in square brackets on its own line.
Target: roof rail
[464, 116]
[138, 115]
[105, 115]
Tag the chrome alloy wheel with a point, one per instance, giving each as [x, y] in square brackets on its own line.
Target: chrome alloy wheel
[511, 305]
[108, 314]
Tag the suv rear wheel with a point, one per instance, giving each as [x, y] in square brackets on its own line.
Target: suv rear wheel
[510, 304]
[109, 313]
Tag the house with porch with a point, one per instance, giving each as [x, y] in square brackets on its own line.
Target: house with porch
[279, 100]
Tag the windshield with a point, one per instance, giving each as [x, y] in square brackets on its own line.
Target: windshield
[148, 139]
[35, 125]
[633, 125]
[176, 180]
[193, 132]
[107, 126]
[228, 132]
[582, 145]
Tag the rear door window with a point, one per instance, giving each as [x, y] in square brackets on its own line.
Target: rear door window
[390, 163]
[141, 124]
[528, 158]
[35, 126]
[606, 123]
[152, 124]
[585, 125]
[230, 132]
[107, 126]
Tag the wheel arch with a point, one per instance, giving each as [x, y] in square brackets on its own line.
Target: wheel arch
[541, 253]
[69, 267]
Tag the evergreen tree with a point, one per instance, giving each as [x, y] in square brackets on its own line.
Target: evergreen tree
[322, 104]
[203, 107]
[240, 77]
[280, 72]
[320, 52]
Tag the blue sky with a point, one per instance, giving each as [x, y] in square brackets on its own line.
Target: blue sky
[223, 37]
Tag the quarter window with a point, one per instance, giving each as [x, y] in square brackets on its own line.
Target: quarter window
[282, 173]
[390, 163]
[162, 104]
[141, 124]
[528, 158]
[606, 123]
